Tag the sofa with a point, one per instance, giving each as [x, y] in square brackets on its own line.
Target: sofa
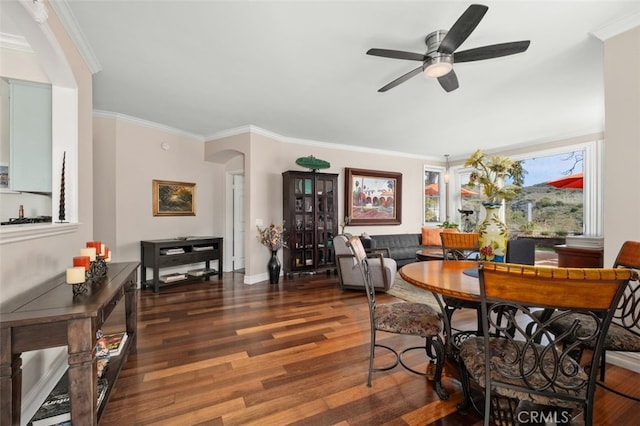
[403, 247]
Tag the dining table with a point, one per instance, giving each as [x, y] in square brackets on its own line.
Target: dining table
[445, 277]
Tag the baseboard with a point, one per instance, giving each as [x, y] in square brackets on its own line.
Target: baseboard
[628, 360]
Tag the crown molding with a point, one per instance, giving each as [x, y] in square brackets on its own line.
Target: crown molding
[15, 42]
[62, 9]
[297, 141]
[145, 123]
[617, 27]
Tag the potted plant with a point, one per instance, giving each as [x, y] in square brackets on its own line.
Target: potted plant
[500, 178]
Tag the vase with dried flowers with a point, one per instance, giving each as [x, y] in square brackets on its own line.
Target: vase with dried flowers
[272, 237]
[500, 178]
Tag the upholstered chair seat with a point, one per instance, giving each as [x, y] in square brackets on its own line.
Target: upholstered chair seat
[407, 318]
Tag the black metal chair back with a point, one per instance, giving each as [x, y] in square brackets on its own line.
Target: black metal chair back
[533, 367]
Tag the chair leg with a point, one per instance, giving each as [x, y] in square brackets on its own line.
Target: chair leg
[437, 344]
[463, 406]
[372, 352]
[434, 349]
[603, 364]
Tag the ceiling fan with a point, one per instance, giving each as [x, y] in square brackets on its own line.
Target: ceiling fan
[438, 61]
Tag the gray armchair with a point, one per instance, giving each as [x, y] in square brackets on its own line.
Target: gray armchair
[383, 269]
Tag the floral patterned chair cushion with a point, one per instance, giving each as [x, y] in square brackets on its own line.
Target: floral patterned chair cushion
[618, 338]
[571, 378]
[407, 318]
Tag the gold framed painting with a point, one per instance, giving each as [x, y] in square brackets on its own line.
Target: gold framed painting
[174, 198]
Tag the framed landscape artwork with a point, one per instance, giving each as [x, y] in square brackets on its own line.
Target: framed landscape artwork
[373, 197]
[174, 198]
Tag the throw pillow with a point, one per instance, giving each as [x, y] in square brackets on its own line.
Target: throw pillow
[431, 236]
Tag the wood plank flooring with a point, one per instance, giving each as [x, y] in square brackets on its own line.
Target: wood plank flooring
[224, 353]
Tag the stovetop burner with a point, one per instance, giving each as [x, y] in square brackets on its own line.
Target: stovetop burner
[23, 220]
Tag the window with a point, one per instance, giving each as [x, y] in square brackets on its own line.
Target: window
[546, 206]
[433, 195]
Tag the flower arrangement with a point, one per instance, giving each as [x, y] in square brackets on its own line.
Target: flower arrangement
[491, 174]
[272, 237]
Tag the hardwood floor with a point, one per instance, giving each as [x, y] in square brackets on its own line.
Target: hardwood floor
[226, 353]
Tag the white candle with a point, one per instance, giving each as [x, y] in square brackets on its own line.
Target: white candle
[89, 251]
[102, 247]
[75, 275]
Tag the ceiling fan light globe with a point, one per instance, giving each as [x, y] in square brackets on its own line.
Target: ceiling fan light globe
[437, 67]
[438, 70]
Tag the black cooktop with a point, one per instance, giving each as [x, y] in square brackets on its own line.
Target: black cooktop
[23, 220]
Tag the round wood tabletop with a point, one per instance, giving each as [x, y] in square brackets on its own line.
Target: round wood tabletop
[444, 277]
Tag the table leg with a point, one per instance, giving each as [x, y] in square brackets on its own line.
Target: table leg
[82, 371]
[10, 381]
[131, 311]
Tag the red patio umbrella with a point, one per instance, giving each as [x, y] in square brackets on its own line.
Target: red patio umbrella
[574, 181]
[432, 190]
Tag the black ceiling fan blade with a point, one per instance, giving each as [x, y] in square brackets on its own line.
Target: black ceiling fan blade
[464, 26]
[449, 82]
[401, 79]
[396, 54]
[492, 51]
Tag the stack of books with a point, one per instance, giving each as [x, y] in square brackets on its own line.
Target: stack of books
[56, 408]
[202, 248]
[170, 251]
[102, 354]
[585, 242]
[170, 278]
[198, 272]
[115, 342]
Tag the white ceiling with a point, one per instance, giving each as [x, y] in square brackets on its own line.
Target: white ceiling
[299, 69]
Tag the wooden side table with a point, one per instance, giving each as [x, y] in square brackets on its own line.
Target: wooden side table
[578, 257]
[425, 255]
[48, 316]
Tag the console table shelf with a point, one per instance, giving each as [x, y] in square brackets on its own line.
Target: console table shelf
[49, 316]
[168, 253]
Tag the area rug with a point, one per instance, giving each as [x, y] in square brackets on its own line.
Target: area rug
[409, 292]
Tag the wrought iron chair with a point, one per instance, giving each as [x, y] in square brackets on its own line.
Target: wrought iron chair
[520, 376]
[624, 334]
[522, 251]
[416, 319]
[459, 246]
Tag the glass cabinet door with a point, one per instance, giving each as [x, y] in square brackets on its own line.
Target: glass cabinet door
[309, 203]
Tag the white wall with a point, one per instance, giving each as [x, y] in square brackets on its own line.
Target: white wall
[127, 159]
[622, 154]
[622, 141]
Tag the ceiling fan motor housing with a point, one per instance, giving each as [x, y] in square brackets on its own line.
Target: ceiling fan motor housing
[436, 63]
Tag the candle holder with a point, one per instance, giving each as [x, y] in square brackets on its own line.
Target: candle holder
[80, 288]
[98, 270]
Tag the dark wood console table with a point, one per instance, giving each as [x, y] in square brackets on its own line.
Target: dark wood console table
[49, 316]
[156, 254]
[578, 257]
